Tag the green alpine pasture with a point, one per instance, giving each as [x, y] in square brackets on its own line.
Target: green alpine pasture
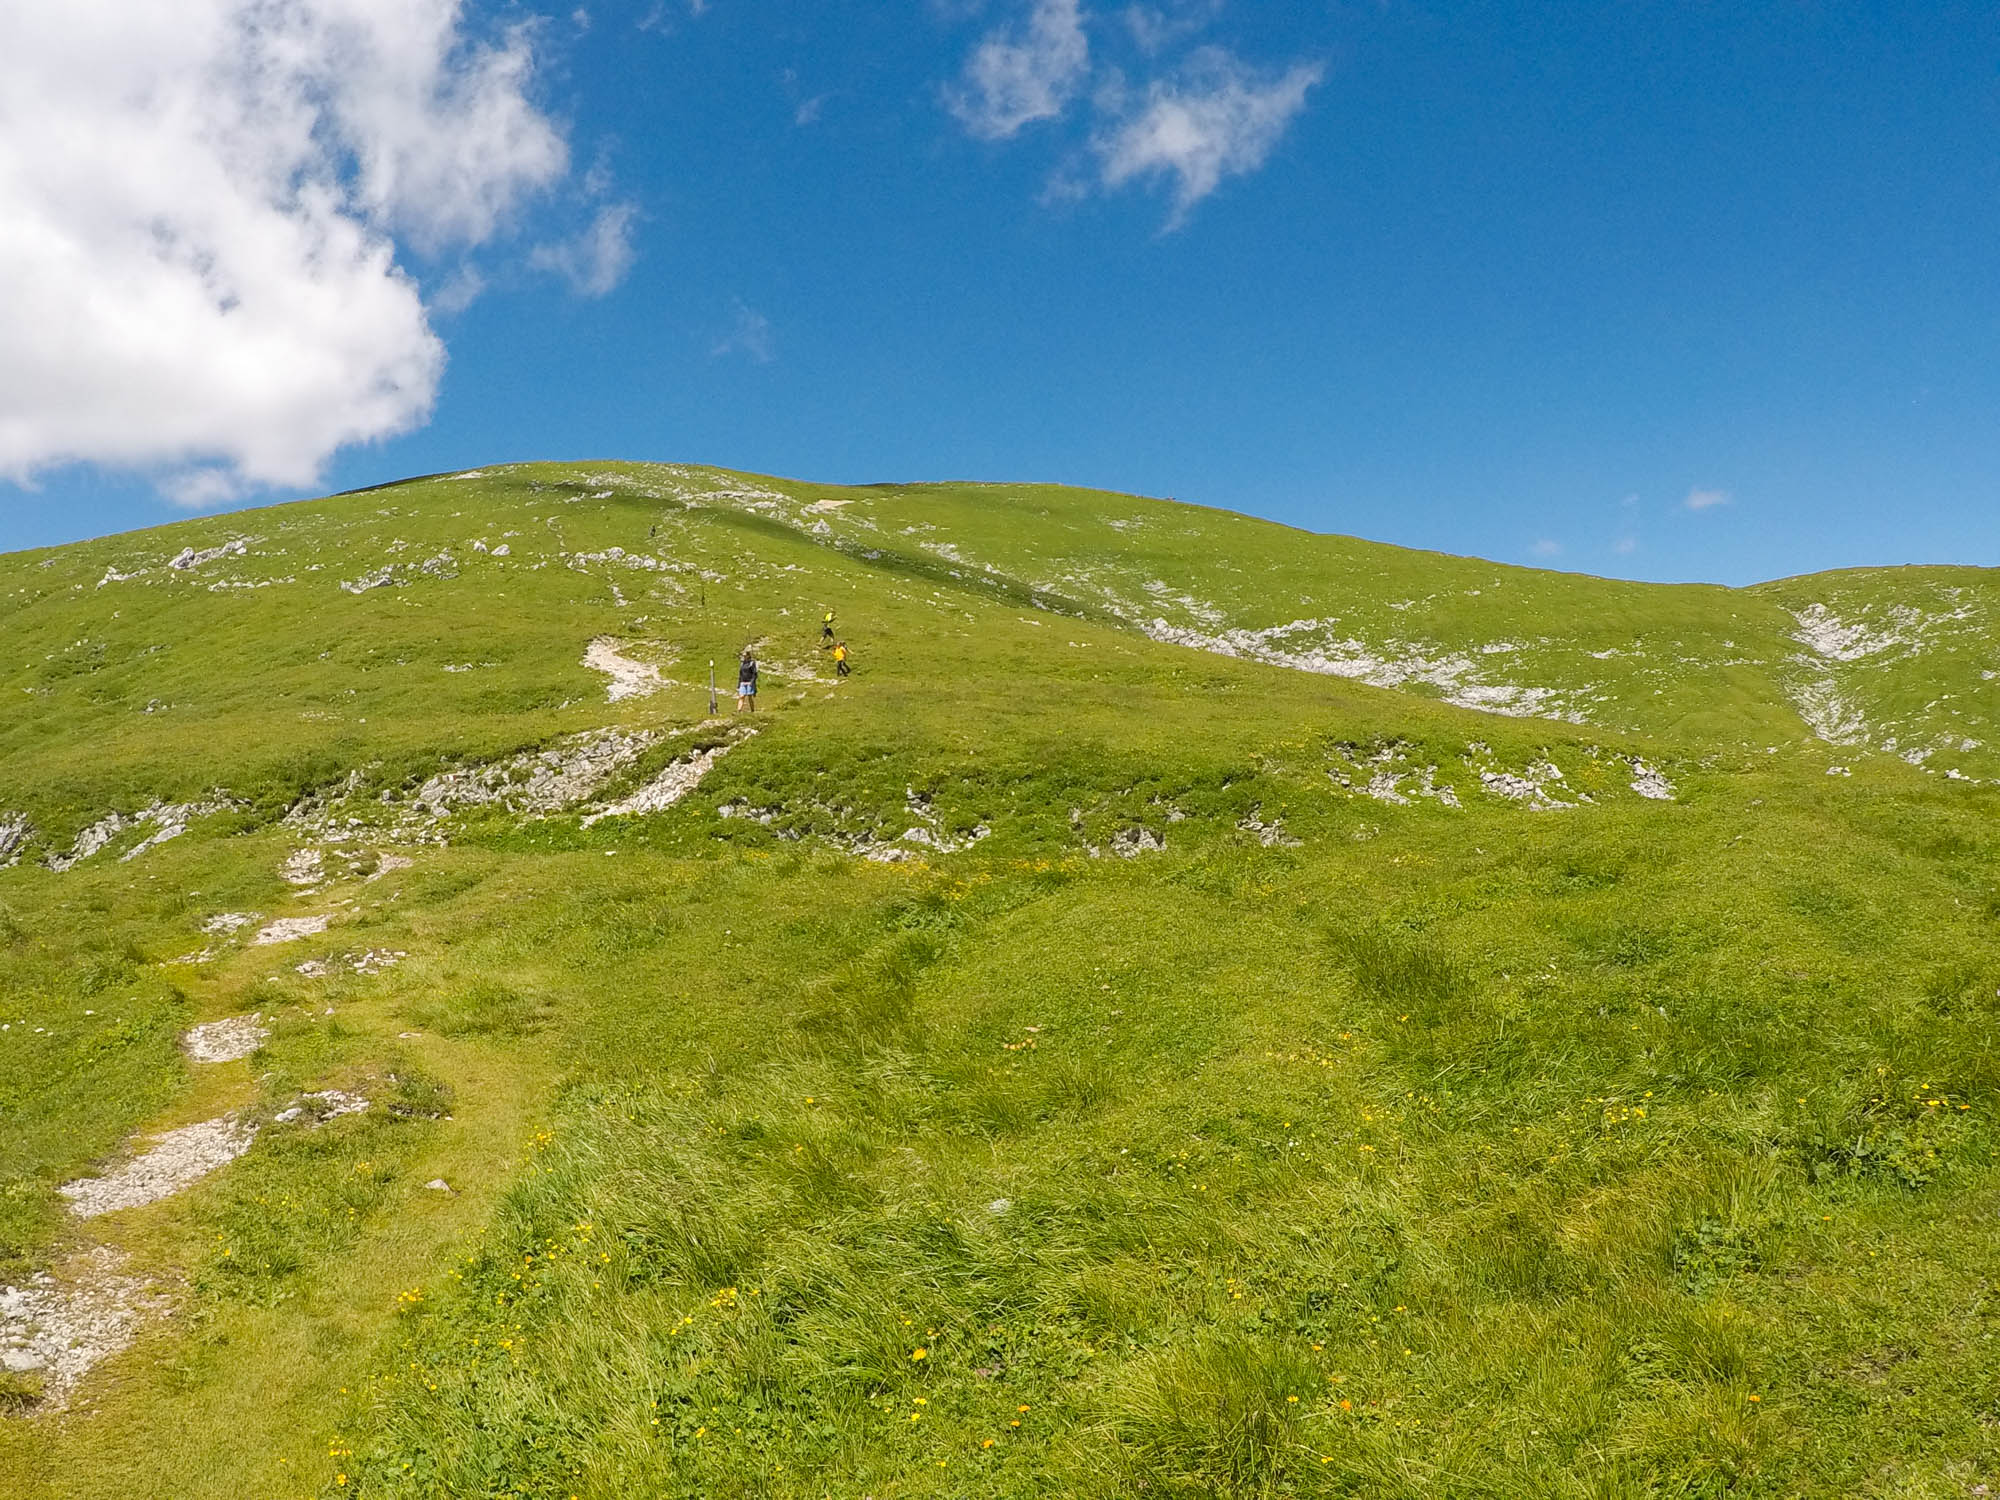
[1147, 1033]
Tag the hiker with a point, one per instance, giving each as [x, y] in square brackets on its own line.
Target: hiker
[840, 658]
[826, 630]
[746, 684]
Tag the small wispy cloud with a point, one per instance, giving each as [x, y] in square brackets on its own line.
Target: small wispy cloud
[1154, 28]
[594, 262]
[1217, 118]
[750, 336]
[459, 292]
[1547, 547]
[1706, 499]
[1018, 75]
[1625, 546]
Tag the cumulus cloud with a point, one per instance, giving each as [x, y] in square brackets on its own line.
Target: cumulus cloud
[1018, 75]
[595, 261]
[200, 205]
[1706, 499]
[1217, 118]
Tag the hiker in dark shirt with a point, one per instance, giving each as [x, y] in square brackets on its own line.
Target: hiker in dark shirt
[746, 684]
[826, 630]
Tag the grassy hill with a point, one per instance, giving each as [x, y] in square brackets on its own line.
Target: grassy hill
[1206, 1009]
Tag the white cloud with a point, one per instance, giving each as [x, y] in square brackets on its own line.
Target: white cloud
[464, 287]
[198, 205]
[596, 260]
[1019, 75]
[1706, 499]
[751, 336]
[1547, 547]
[1154, 28]
[1217, 119]
[1625, 546]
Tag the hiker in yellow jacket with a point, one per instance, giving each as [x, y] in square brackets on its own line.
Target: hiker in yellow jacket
[840, 666]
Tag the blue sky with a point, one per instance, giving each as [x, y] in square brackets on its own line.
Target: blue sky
[1660, 290]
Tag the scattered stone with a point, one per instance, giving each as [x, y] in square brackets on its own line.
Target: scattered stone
[389, 864]
[944, 843]
[177, 1159]
[229, 921]
[1531, 787]
[1649, 781]
[999, 1206]
[61, 1326]
[187, 558]
[168, 819]
[327, 1104]
[1317, 646]
[1130, 843]
[15, 831]
[303, 867]
[1382, 787]
[89, 842]
[289, 929]
[438, 1185]
[539, 781]
[1271, 835]
[225, 1041]
[373, 961]
[664, 790]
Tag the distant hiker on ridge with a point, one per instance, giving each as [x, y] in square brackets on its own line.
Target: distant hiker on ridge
[840, 658]
[746, 683]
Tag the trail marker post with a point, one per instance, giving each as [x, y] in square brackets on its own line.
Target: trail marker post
[712, 710]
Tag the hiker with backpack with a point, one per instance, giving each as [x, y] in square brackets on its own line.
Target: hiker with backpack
[746, 683]
[826, 630]
[840, 666]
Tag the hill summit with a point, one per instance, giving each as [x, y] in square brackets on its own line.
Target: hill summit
[1197, 1008]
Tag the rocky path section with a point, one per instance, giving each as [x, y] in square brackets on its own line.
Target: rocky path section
[629, 678]
[177, 1160]
[57, 1328]
[672, 784]
[230, 1040]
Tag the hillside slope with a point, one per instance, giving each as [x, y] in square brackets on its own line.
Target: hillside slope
[1203, 1007]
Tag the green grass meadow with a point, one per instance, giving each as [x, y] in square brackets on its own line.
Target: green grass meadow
[1339, 1147]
